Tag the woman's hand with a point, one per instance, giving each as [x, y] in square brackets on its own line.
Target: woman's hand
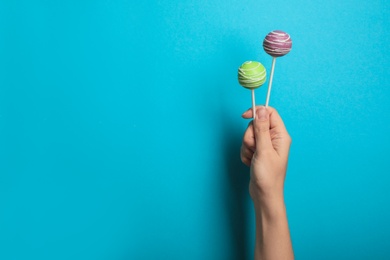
[265, 149]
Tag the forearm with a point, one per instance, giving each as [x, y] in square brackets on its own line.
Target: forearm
[273, 240]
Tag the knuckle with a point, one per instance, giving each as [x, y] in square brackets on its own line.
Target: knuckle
[248, 142]
[262, 128]
[246, 161]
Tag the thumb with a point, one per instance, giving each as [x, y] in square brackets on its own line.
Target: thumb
[261, 128]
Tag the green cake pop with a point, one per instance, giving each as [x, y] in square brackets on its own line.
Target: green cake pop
[251, 75]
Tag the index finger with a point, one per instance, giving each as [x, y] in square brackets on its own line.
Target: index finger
[276, 122]
[275, 119]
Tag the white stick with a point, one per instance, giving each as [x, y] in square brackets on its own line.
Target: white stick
[270, 82]
[253, 103]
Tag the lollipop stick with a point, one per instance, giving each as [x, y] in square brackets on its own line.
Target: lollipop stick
[270, 81]
[253, 103]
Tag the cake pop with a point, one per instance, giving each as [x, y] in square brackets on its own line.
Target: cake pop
[252, 75]
[277, 44]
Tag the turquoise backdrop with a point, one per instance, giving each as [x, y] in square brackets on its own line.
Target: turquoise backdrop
[120, 127]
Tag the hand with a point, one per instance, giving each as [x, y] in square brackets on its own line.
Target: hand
[265, 149]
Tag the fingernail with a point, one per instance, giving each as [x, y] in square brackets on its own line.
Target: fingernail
[262, 113]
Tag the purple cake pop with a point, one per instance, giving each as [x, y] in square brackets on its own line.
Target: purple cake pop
[277, 43]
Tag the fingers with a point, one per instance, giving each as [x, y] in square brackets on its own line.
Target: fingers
[248, 114]
[246, 155]
[275, 119]
[269, 132]
[249, 138]
[261, 129]
[248, 145]
[279, 135]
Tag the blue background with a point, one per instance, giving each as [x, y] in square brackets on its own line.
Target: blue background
[120, 127]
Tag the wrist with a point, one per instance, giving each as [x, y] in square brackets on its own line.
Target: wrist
[268, 202]
[265, 195]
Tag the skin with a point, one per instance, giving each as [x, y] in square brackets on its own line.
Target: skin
[265, 148]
